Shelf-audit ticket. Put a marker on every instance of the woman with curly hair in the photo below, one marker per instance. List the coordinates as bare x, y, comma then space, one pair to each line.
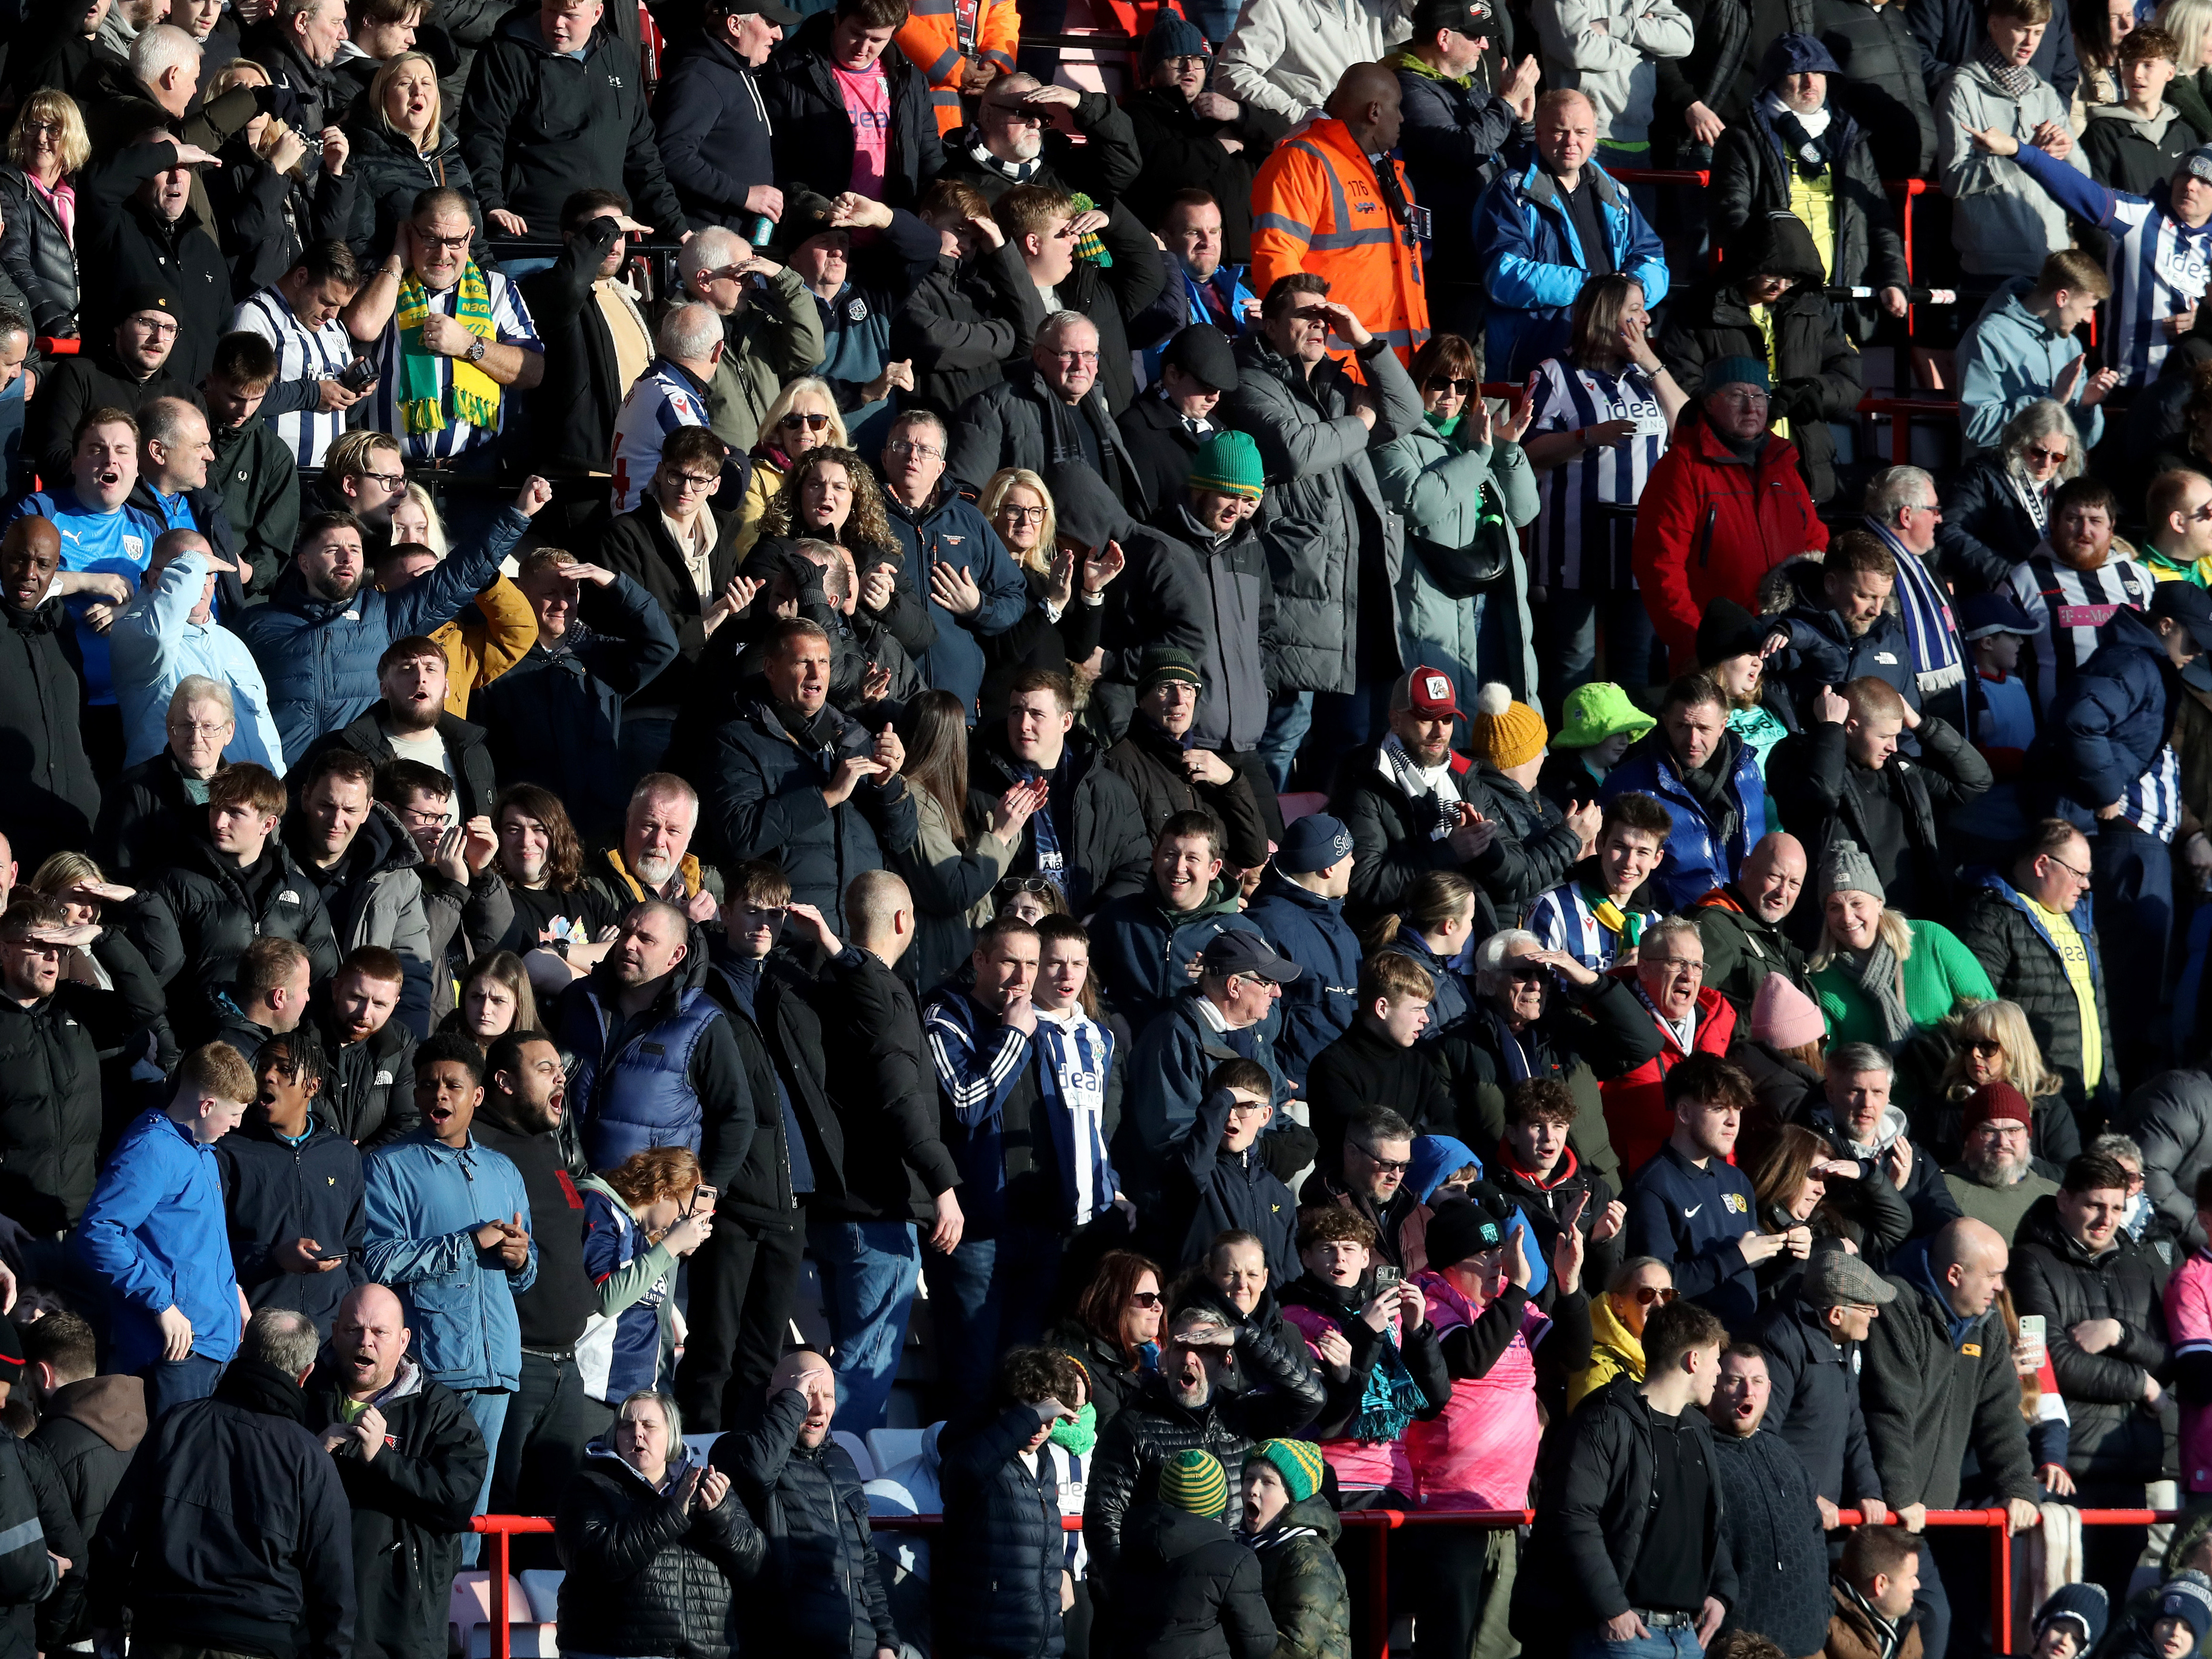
830, 495
641, 1219
1992, 1042
804, 417
556, 910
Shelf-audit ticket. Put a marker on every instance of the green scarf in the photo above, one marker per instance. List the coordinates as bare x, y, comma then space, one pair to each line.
471, 395
1080, 1435
1406, 58
1625, 925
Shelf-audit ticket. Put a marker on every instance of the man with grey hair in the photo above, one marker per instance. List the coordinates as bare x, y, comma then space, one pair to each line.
1901, 508
1051, 408
773, 330
165, 62
230, 1530
1184, 1404
675, 391
1866, 1130
168, 633
653, 858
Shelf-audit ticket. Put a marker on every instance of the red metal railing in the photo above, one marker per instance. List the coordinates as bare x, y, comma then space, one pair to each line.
1380, 1524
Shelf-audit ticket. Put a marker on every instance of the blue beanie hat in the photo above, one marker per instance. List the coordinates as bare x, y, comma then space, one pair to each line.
1796, 54
1314, 842
1736, 371
1173, 36
2082, 1606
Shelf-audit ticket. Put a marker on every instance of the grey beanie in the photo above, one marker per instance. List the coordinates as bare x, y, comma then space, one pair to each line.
1845, 869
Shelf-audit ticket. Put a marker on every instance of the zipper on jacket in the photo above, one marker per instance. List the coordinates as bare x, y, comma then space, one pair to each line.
1705, 543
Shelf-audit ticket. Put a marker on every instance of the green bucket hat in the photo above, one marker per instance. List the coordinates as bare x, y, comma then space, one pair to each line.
1228, 464
1598, 711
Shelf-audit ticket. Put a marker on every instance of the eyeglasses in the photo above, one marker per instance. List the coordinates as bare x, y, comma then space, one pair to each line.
198, 728
1933, 509
1012, 885
811, 423
1246, 1108
394, 482
2081, 875
1071, 357
36, 128
421, 817
901, 449
449, 242
1387, 1165
1143, 1299
1688, 965
1022, 514
1648, 1294
2048, 457
1310, 315
1445, 383
692, 483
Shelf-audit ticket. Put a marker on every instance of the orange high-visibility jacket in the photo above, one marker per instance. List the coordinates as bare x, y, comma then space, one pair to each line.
931, 40
1317, 207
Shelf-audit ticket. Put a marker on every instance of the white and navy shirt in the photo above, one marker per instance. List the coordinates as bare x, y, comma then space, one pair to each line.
511, 325
1562, 918
1580, 547
2153, 802
2158, 267
2068, 606
302, 353
664, 398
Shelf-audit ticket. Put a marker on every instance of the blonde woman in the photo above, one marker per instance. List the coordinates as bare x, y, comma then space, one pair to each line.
804, 417
1992, 1042
496, 999
401, 148
1058, 631
81, 888
46, 147
265, 210
2189, 23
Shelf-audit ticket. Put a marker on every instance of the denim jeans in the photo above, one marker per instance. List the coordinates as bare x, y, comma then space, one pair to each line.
490, 1411
1676, 1641
172, 1382
869, 1269
989, 1295
1288, 718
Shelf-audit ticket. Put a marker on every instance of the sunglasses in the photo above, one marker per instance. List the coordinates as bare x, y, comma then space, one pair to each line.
1648, 1294
1445, 383
1014, 884
793, 421
1527, 973
1147, 1299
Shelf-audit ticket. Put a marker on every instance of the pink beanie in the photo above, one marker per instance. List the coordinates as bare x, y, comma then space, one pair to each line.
1784, 1016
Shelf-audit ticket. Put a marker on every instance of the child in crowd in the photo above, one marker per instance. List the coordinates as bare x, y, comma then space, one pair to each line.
1290, 1526
1599, 723
1219, 1180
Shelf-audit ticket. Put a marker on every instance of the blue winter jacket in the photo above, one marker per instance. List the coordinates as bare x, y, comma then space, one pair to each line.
1697, 858
1534, 264
2107, 724
1169, 1066
1141, 950
156, 1234
632, 1088
318, 656
950, 531
425, 1202
1317, 1006
2009, 358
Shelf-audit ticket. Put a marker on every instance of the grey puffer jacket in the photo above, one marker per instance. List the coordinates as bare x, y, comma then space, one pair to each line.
1323, 503
1241, 635
649, 1572
2170, 1117
2003, 222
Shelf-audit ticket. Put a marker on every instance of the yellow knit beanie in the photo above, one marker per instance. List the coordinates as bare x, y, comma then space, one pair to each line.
1505, 732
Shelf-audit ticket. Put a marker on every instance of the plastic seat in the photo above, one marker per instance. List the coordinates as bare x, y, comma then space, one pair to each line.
1302, 804
891, 1447
853, 1444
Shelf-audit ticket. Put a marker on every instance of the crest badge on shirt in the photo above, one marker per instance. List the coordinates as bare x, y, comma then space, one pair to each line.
1734, 1204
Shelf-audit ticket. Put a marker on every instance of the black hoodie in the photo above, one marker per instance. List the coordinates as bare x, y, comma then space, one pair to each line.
1185, 1588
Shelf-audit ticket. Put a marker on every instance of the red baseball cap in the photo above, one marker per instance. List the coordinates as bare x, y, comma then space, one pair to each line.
1427, 692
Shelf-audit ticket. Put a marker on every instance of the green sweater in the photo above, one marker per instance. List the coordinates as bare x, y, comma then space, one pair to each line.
1937, 975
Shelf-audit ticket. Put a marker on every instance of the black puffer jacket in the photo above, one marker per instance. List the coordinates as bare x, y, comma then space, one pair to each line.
813, 136
961, 322
1153, 1427
51, 797
2114, 1436
651, 1572
1182, 150
370, 1096
2022, 961
389, 173
822, 1592
38, 255
996, 1572
1770, 1532
89, 1430
1817, 376
196, 919
1985, 530
1185, 1588
50, 1085
1882, 87
144, 816
410, 1505
1150, 762
2170, 1117
1304, 1582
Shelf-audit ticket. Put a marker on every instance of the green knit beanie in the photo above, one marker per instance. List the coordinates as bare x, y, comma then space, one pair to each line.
1228, 464
1194, 1481
1299, 1462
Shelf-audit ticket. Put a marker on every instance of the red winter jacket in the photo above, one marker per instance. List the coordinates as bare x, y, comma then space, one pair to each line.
1710, 525
1636, 1116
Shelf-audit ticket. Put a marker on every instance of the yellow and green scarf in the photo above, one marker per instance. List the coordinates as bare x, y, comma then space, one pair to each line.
471, 395
1627, 925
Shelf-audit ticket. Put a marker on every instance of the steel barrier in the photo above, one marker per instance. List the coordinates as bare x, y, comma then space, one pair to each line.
1382, 1524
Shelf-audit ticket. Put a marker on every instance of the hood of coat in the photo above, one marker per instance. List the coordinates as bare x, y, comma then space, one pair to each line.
1775, 245
1608, 1332
603, 1457
112, 1407
46, 618
1893, 1127
1801, 578
2151, 128
1170, 1533
381, 844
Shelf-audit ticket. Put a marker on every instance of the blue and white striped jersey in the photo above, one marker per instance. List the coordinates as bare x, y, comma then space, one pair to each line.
1562, 918
2153, 802
664, 398
1579, 547
302, 353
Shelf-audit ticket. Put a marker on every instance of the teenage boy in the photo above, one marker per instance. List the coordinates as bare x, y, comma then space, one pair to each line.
2137, 142
155, 1235
1217, 1175
2025, 345
1538, 1171
1381, 1057
1595, 916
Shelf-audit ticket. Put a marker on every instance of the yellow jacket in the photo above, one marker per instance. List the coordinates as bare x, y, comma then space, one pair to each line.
480, 649
1613, 1353
931, 40
1317, 207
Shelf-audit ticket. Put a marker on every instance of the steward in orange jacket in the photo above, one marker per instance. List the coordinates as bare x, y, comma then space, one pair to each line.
1319, 205
950, 41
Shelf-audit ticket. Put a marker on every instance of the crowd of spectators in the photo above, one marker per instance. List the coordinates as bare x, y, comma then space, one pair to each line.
1218, 772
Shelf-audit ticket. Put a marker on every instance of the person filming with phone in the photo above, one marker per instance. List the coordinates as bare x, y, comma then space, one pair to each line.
640, 1218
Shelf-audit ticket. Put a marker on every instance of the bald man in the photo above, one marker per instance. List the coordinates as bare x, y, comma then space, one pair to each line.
412, 1462
821, 1594
52, 796
1938, 1381
1740, 922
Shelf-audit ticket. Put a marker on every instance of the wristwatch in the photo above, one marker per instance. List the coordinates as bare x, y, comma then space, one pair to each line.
476, 353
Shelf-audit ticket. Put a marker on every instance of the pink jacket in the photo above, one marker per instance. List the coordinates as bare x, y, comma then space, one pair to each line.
2188, 1327
1479, 1453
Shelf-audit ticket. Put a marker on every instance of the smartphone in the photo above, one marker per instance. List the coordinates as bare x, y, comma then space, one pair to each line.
2031, 1329
702, 1201
1386, 1281
357, 373
330, 1255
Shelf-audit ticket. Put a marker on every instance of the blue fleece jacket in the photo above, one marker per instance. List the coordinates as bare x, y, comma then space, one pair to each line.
155, 1234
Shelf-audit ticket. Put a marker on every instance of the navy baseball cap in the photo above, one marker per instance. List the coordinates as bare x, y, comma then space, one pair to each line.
1241, 951
2186, 602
